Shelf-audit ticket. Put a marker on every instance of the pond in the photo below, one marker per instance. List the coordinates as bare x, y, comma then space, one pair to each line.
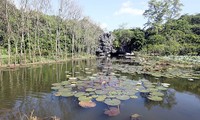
29, 89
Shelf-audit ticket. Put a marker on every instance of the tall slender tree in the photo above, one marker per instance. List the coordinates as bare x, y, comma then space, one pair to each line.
160, 11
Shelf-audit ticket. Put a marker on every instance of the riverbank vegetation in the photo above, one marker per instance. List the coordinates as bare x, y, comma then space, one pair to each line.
31, 32
165, 32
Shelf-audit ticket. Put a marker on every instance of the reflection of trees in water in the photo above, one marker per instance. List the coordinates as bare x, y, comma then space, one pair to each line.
179, 84
44, 108
17, 84
76, 68
168, 102
26, 88
104, 64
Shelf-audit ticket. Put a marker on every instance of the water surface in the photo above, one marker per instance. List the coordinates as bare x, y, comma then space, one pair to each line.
26, 89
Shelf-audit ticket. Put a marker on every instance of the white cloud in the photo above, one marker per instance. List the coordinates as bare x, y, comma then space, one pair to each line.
104, 26
127, 8
17, 3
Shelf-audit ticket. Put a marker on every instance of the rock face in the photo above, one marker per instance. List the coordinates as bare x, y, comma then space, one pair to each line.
1, 40
105, 47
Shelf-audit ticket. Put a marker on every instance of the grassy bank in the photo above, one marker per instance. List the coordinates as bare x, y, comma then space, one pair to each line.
45, 60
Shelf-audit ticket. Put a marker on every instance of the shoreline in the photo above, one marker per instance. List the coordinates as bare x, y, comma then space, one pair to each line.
13, 66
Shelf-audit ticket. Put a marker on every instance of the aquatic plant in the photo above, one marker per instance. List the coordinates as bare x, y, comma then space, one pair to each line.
107, 87
112, 102
87, 104
135, 117
112, 111
158, 68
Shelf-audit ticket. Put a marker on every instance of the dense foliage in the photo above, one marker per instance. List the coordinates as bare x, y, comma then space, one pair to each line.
164, 34
129, 39
30, 34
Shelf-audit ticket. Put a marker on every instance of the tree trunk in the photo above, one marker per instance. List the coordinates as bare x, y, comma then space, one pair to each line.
38, 42
8, 31
72, 45
0, 56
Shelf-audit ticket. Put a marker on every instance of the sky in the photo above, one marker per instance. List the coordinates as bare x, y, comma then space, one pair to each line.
111, 14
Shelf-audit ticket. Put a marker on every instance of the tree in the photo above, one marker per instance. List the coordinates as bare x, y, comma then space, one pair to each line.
8, 30
160, 11
28, 32
131, 39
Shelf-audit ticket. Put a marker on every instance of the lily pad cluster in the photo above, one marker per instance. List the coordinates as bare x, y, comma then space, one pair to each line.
109, 89
153, 91
158, 68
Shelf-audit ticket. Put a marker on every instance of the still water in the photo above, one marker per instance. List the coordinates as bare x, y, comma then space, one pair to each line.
28, 89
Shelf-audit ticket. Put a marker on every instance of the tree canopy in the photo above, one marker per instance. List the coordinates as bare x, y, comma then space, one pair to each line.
29, 34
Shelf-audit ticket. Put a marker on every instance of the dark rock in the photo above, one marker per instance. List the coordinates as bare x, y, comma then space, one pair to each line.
105, 47
1, 40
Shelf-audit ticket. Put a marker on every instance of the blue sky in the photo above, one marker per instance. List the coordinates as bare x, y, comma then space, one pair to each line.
110, 14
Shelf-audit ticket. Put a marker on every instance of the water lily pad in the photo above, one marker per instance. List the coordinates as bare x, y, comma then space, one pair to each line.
133, 96
72, 78
56, 84
123, 97
135, 117
144, 91
112, 73
111, 96
90, 89
149, 86
67, 76
84, 98
101, 98
94, 96
66, 94
57, 94
65, 82
67, 72
73, 85
100, 92
112, 102
118, 75
87, 104
77, 72
129, 92
78, 94
112, 111
95, 75
190, 79
113, 93
92, 78
165, 84
155, 98
86, 68
65, 89
92, 93
85, 79
56, 87
152, 89
157, 94
88, 72
161, 88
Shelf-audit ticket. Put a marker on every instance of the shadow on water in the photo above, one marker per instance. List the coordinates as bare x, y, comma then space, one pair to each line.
26, 89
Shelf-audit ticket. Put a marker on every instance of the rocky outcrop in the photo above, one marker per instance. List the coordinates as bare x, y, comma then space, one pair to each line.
105, 47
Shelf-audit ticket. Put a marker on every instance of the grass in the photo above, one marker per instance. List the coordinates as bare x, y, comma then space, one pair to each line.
32, 117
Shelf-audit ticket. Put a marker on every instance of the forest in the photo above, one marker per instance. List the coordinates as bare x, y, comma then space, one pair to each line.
176, 37
29, 33
165, 33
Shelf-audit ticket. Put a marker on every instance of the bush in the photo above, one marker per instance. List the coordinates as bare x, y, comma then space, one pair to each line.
156, 39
